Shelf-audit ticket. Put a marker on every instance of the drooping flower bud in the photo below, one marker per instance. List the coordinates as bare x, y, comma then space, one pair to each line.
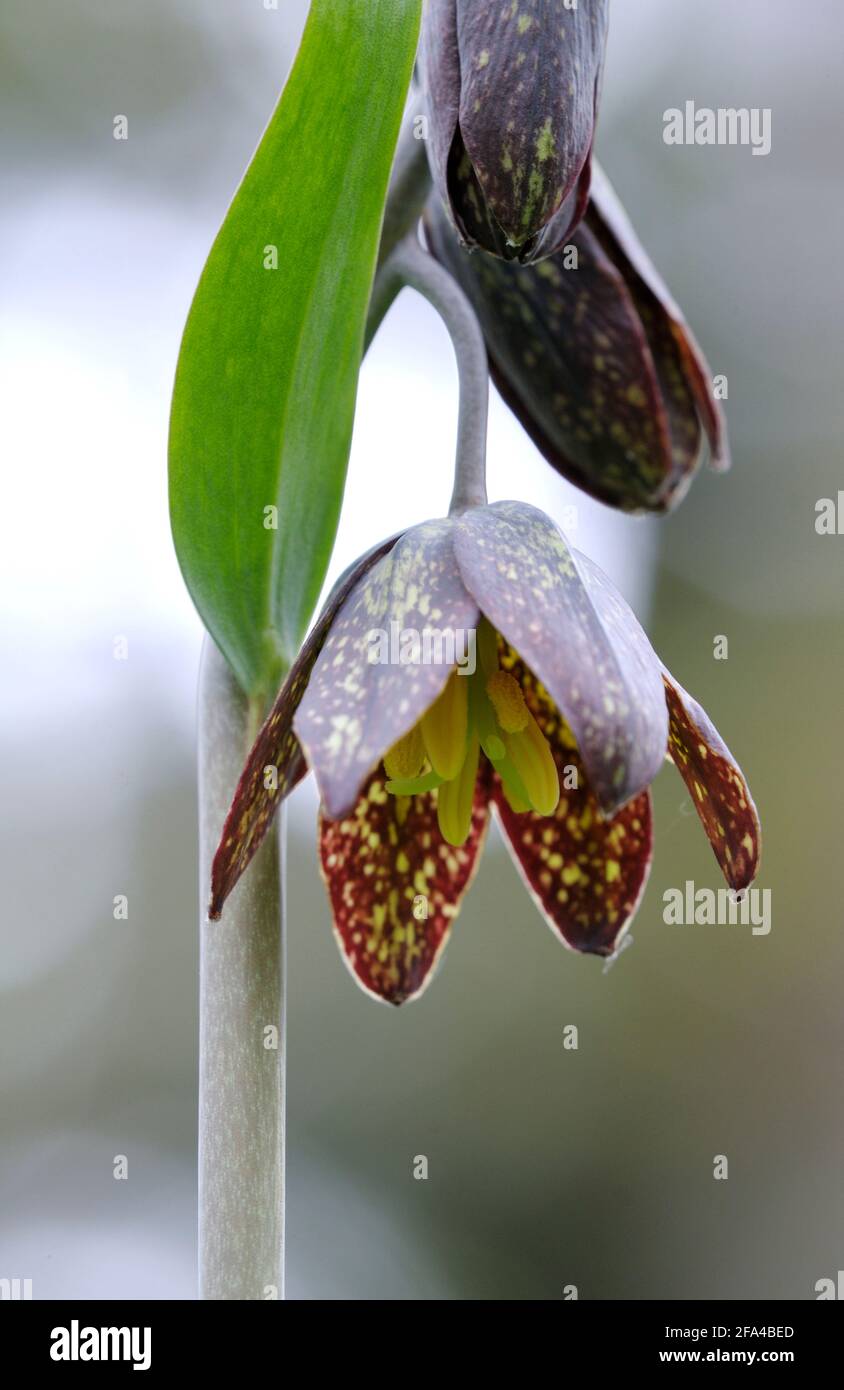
595, 358
512, 90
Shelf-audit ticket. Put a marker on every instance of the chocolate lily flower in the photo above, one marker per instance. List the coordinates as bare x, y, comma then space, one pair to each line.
559, 724
595, 359
512, 93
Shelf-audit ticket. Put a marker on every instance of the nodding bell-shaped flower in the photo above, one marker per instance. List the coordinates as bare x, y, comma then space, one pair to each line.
479, 663
512, 92
595, 359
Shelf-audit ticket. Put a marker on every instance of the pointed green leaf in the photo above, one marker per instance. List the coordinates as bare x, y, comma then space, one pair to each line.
264, 397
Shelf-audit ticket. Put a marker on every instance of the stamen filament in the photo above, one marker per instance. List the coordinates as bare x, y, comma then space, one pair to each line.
455, 799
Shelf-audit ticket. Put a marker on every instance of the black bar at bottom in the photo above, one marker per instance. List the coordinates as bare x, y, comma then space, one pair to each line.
166, 1337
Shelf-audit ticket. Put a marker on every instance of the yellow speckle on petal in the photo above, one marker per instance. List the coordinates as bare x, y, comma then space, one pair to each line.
545, 141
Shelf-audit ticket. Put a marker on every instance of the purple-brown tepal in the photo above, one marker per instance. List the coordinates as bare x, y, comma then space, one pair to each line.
512, 92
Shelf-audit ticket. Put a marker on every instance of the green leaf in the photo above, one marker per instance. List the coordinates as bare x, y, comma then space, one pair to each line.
264, 397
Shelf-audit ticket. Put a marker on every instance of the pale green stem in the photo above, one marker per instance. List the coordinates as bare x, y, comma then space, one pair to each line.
402, 261
242, 1062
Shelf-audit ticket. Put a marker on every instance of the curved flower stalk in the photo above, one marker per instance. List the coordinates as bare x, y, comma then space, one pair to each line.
560, 727
512, 93
595, 358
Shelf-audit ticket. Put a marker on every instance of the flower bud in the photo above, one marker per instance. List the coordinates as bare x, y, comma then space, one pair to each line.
595, 359
512, 91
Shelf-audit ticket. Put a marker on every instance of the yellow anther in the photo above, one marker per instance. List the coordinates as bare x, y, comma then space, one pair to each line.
444, 727
534, 762
508, 702
450, 736
405, 758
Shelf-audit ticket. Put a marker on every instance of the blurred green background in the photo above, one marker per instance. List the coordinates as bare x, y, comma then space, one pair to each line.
547, 1167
